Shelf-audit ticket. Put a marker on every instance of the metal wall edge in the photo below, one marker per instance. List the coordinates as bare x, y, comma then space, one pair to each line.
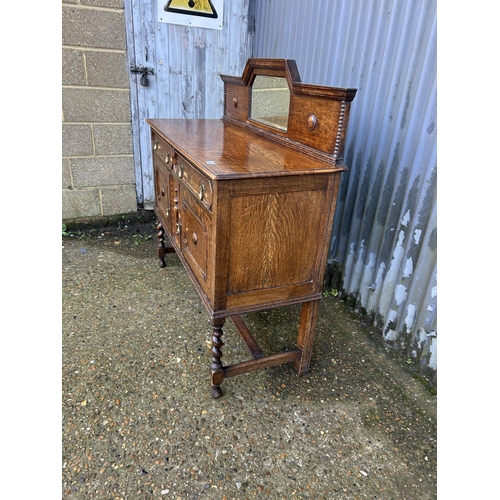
385, 234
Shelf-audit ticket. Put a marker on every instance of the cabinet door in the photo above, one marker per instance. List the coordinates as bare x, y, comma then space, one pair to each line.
162, 193
195, 237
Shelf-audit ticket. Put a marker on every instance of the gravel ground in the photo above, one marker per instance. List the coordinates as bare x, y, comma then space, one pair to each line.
139, 421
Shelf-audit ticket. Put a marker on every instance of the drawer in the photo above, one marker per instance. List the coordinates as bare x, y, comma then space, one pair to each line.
199, 185
163, 150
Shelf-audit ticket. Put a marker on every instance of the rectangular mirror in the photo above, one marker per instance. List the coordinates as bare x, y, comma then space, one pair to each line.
270, 101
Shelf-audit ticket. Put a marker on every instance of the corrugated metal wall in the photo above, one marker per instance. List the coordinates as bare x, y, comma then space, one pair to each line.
384, 234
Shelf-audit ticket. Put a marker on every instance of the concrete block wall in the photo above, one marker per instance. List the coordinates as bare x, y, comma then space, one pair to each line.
98, 178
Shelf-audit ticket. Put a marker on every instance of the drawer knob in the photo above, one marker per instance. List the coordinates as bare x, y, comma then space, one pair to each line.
195, 238
167, 158
178, 230
155, 145
167, 212
180, 171
163, 191
201, 192
235, 102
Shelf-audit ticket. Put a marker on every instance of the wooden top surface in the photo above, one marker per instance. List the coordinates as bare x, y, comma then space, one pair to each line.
223, 150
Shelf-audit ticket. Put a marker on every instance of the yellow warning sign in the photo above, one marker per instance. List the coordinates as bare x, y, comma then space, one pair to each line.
203, 8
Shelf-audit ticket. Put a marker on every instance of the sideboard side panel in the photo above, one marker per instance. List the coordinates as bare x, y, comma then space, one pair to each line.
274, 234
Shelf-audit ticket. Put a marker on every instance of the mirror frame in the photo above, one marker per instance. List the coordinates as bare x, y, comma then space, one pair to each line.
317, 117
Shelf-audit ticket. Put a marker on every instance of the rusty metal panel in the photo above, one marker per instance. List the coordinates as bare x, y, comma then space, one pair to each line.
385, 233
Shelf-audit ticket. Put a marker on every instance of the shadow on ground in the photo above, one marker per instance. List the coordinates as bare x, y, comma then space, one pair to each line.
139, 422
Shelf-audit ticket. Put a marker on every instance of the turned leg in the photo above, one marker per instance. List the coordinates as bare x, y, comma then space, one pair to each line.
162, 251
217, 373
308, 319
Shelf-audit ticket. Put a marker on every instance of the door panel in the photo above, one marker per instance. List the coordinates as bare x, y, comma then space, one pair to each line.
162, 192
186, 62
196, 234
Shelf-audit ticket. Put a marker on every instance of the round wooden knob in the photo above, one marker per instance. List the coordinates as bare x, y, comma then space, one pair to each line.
195, 238
311, 121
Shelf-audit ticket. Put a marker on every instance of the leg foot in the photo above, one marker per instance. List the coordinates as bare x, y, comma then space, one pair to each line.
216, 391
308, 319
162, 251
217, 373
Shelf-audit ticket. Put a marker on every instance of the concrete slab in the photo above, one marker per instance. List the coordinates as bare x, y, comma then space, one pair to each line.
139, 421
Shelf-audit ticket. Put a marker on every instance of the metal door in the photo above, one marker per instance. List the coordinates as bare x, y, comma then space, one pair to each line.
175, 72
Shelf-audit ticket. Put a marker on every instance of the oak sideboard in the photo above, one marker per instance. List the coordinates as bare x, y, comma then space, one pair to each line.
247, 202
